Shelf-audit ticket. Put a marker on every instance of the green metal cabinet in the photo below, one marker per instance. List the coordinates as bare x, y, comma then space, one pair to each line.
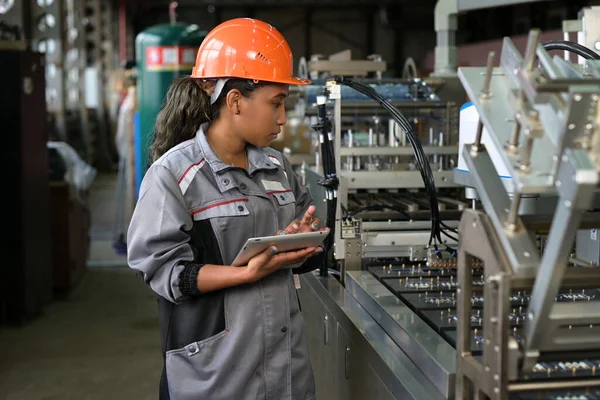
163, 52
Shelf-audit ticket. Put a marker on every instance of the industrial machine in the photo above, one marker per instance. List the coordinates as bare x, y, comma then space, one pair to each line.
383, 204
379, 193
550, 147
514, 314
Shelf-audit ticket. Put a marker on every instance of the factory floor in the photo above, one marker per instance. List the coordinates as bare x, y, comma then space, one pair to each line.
100, 342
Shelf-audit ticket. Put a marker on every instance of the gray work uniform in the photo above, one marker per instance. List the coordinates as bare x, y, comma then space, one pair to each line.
245, 342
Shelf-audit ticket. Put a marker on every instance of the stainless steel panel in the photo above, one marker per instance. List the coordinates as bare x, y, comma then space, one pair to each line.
345, 351
395, 179
395, 151
375, 239
466, 5
430, 353
402, 225
357, 380
395, 251
320, 325
374, 350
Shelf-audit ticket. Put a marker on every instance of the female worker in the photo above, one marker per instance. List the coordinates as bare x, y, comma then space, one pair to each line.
227, 332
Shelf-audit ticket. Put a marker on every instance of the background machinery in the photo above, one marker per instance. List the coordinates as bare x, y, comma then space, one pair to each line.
507, 305
381, 190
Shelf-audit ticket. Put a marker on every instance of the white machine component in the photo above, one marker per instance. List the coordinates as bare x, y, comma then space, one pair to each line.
586, 30
469, 119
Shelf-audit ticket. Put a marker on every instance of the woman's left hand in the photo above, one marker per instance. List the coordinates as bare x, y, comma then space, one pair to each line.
308, 223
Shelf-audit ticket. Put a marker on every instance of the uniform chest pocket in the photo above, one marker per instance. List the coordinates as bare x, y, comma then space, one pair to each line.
226, 215
285, 201
284, 197
221, 209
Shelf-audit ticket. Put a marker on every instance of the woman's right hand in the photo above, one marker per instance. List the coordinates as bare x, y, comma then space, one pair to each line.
270, 261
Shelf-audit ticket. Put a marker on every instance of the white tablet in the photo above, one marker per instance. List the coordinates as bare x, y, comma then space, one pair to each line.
296, 241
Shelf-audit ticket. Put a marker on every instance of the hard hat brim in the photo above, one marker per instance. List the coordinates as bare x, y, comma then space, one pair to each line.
290, 81
295, 81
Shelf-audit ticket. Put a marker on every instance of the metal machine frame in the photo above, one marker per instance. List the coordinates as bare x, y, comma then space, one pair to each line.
360, 240
545, 119
551, 147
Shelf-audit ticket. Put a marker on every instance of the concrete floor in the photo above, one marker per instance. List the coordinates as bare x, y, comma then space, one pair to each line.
102, 231
101, 342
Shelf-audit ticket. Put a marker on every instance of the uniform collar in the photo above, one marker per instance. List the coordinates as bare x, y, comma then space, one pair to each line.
257, 158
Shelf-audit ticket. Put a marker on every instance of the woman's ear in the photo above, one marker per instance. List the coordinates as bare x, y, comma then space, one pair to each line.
233, 100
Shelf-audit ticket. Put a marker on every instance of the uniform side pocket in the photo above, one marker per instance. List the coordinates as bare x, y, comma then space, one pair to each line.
193, 371
196, 370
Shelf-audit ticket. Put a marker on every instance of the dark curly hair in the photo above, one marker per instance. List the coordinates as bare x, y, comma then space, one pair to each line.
186, 107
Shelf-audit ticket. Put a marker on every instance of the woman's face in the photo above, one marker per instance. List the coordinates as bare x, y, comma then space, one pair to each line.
262, 114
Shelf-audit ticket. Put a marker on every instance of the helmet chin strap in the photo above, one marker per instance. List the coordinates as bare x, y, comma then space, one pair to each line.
218, 89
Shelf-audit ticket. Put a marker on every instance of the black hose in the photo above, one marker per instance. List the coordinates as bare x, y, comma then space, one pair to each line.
572, 47
329, 182
437, 226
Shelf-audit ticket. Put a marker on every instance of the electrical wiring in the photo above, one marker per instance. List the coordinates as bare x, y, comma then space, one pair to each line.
444, 232
572, 47
448, 227
344, 209
330, 181
437, 226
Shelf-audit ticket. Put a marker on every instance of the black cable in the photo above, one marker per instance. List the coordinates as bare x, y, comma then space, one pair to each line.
344, 209
450, 236
330, 181
420, 157
419, 154
572, 47
448, 228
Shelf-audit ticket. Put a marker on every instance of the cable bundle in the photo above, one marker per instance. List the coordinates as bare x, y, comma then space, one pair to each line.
330, 180
572, 47
438, 227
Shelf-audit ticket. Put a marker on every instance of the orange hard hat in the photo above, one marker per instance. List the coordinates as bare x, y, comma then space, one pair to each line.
246, 48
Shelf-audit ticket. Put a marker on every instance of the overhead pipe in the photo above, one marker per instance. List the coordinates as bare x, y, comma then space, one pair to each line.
446, 24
